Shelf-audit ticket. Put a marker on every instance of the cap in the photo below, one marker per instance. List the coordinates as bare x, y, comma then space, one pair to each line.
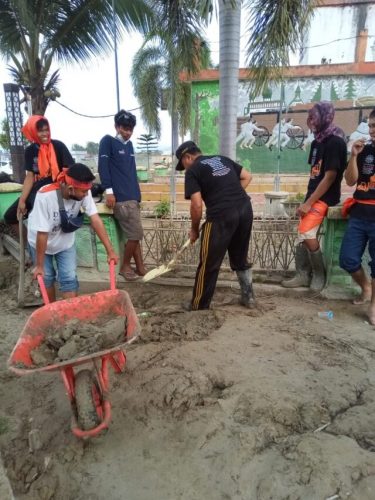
185, 147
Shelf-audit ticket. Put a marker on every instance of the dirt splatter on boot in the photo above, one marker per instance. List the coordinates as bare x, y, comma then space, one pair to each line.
318, 271
247, 293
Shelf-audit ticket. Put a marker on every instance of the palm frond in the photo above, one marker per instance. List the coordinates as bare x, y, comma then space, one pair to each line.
275, 28
86, 27
183, 105
147, 89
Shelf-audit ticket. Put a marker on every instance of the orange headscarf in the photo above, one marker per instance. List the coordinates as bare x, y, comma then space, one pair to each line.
47, 162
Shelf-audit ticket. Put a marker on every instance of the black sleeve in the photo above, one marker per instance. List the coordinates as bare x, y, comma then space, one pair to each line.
64, 158
30, 153
237, 168
191, 184
333, 154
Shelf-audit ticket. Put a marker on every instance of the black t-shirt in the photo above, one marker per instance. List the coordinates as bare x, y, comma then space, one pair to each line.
217, 178
365, 189
63, 157
330, 154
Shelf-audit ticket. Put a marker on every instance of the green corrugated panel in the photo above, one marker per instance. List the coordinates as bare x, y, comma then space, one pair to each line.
6, 200
337, 278
117, 239
85, 246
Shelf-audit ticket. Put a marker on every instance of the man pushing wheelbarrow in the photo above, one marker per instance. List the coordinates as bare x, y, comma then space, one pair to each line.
56, 215
58, 212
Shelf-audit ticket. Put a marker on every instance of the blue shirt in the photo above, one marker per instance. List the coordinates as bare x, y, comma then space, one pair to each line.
117, 169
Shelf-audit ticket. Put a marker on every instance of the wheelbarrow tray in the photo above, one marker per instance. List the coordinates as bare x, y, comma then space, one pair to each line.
86, 308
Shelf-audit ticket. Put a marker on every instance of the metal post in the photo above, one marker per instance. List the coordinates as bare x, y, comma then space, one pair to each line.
174, 141
276, 183
14, 117
115, 50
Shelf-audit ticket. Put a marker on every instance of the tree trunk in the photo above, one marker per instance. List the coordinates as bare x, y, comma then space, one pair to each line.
39, 102
174, 117
230, 28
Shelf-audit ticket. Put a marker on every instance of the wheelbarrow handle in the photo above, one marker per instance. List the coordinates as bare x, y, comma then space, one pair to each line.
112, 280
43, 289
112, 275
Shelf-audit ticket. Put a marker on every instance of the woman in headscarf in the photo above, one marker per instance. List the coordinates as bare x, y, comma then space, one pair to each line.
327, 159
44, 159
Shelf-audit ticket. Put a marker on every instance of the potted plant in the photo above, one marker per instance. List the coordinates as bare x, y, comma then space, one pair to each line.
292, 203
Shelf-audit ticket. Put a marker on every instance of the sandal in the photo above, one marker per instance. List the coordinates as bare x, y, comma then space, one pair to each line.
361, 300
139, 274
129, 275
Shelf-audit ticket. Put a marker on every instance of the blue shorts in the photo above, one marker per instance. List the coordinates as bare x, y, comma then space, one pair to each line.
358, 233
66, 264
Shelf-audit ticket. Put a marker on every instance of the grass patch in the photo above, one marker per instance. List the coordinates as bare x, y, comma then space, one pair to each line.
4, 425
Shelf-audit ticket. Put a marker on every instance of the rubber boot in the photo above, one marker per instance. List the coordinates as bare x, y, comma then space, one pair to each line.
303, 269
318, 271
247, 293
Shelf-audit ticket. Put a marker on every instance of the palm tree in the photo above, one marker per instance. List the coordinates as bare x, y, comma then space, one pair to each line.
229, 29
274, 28
147, 143
172, 45
36, 33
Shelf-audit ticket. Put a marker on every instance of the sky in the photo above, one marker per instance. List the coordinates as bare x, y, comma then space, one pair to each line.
91, 90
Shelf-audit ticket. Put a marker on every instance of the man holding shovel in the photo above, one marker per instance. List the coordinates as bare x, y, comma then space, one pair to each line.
220, 183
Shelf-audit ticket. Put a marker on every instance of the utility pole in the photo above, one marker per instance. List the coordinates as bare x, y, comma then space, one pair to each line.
114, 27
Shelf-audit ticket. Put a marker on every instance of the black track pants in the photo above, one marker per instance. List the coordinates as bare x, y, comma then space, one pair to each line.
231, 233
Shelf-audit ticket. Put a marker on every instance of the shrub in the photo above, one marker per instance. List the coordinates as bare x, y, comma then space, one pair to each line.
162, 209
299, 197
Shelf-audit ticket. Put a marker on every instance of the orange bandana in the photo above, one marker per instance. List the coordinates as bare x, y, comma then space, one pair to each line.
47, 162
63, 178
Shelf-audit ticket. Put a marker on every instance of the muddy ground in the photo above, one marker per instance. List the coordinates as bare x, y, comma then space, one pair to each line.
273, 403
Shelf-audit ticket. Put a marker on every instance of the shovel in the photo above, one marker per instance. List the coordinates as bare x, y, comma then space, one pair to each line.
165, 268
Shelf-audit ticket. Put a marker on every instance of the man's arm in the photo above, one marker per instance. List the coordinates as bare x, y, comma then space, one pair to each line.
41, 246
351, 173
245, 178
98, 227
26, 189
105, 172
324, 185
196, 205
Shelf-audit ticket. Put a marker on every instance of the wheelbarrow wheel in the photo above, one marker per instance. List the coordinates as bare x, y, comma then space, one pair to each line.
88, 400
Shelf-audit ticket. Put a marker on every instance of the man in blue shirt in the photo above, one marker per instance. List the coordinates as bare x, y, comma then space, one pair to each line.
118, 176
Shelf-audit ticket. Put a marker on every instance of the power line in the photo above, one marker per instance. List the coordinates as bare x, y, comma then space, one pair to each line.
91, 116
319, 45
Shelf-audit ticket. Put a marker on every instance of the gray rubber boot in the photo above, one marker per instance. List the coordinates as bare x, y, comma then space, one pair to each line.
318, 271
303, 269
247, 293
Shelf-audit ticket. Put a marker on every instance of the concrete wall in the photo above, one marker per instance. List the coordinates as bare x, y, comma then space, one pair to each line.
339, 22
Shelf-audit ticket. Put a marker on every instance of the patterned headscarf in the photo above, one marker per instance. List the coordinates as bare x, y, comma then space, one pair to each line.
320, 120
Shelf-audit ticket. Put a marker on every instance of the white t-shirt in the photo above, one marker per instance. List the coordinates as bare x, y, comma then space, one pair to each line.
45, 217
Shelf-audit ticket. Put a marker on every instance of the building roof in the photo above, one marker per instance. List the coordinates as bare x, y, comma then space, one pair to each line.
343, 3
317, 70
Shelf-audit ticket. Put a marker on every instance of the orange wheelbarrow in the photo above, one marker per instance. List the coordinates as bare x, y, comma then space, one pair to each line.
87, 389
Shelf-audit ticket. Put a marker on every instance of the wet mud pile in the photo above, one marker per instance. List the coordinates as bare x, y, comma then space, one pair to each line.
179, 326
76, 339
